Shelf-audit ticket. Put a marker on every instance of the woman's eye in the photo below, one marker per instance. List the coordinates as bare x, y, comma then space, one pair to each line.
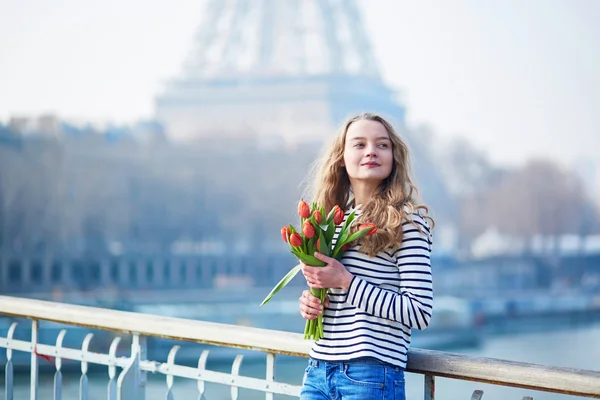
383, 145
358, 145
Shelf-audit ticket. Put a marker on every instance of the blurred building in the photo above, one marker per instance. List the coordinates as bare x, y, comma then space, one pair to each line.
47, 125
589, 172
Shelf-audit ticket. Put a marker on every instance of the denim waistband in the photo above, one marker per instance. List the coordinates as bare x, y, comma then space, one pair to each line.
359, 360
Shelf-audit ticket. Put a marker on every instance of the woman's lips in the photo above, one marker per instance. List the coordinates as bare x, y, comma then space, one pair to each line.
370, 165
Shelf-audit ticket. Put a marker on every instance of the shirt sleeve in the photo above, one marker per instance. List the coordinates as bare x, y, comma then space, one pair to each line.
413, 304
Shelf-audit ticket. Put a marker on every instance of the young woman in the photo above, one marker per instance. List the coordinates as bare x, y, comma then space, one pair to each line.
382, 286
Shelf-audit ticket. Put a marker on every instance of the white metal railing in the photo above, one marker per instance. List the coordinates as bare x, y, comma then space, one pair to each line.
130, 382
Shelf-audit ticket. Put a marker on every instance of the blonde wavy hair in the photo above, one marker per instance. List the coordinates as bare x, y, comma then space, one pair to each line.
328, 185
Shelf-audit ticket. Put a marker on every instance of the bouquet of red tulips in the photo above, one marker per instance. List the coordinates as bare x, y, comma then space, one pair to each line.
317, 235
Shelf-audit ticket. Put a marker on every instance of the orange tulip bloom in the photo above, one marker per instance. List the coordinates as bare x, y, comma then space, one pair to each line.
295, 240
338, 215
303, 209
318, 216
308, 230
285, 233
368, 225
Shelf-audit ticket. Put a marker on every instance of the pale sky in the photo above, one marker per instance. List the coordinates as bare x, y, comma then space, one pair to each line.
518, 78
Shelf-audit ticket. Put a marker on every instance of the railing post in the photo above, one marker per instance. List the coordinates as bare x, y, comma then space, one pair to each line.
270, 376
142, 375
131, 384
477, 395
33, 384
429, 387
8, 373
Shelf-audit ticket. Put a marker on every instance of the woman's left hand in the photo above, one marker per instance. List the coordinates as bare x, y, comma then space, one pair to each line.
333, 275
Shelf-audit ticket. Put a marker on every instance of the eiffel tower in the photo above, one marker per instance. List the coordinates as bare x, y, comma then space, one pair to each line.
286, 69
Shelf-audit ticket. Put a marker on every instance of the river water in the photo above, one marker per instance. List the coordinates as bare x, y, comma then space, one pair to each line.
575, 348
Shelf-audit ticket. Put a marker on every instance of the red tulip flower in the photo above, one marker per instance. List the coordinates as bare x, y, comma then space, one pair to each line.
285, 233
303, 209
368, 225
308, 230
318, 216
338, 215
295, 240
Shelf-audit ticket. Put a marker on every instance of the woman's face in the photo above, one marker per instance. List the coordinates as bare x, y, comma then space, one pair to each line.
368, 155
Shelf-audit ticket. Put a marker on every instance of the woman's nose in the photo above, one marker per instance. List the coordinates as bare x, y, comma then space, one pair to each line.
371, 151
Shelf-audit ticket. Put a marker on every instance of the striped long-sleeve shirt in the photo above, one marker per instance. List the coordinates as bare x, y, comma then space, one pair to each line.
390, 294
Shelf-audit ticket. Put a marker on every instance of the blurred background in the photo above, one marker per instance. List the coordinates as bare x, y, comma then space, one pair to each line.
150, 153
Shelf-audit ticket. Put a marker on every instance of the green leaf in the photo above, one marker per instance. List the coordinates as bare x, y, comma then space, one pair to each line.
357, 235
308, 260
311, 246
344, 236
324, 247
349, 221
330, 215
281, 284
330, 232
341, 240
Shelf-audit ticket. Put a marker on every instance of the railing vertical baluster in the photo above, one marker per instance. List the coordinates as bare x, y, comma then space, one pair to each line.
170, 363
58, 364
58, 385
235, 371
84, 390
131, 384
33, 384
270, 377
8, 373
202, 367
429, 387
112, 369
8, 379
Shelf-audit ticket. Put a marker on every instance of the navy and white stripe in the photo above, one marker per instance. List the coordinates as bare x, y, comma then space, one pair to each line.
390, 294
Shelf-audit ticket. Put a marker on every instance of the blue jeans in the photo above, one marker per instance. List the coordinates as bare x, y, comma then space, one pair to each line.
354, 380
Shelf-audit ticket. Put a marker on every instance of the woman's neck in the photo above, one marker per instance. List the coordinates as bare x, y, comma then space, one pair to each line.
363, 192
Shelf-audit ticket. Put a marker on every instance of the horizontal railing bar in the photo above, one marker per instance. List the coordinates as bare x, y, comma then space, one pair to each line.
221, 377
486, 370
64, 353
506, 373
157, 326
19, 345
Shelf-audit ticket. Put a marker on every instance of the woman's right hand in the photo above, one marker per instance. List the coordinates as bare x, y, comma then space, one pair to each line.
310, 306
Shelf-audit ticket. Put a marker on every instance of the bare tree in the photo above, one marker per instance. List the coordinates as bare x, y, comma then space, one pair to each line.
538, 199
